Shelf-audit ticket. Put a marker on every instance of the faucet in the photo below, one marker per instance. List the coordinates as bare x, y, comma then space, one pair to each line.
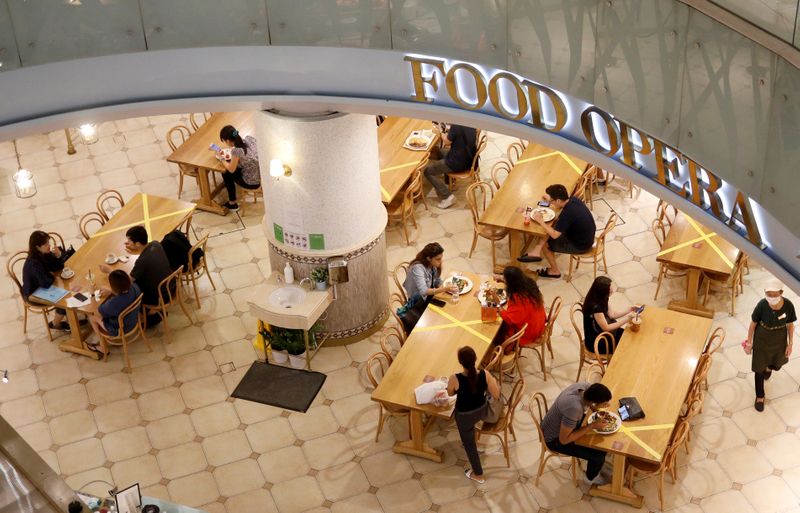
310, 283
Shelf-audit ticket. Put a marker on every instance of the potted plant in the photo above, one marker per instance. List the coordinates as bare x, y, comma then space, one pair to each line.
297, 348
278, 344
319, 275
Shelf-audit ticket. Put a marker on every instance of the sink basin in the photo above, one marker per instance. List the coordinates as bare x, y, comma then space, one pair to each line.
287, 297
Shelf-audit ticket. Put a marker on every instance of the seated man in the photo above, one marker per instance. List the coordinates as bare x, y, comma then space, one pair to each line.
573, 231
461, 141
561, 425
123, 292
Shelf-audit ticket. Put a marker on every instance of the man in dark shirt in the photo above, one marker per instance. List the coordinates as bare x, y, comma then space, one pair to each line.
462, 147
572, 233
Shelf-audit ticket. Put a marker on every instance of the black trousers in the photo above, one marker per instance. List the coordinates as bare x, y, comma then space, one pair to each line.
233, 179
465, 421
594, 457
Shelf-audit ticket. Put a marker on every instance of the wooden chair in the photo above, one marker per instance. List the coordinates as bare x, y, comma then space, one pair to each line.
186, 225
668, 463
479, 195
472, 174
492, 363
662, 212
392, 339
402, 208
584, 189
691, 410
665, 270
399, 276
196, 270
543, 342
538, 408
56, 239
500, 170
380, 361
418, 195
586, 356
18, 259
734, 282
514, 151
395, 302
595, 372
176, 136
509, 363
626, 184
198, 118
167, 298
523, 142
601, 358
505, 424
87, 220
124, 338
106, 200
243, 194
597, 252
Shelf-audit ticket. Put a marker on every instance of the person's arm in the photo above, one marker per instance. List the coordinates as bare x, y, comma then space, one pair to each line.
491, 384
600, 319
551, 232
790, 332
418, 274
568, 434
452, 385
617, 315
750, 331
513, 314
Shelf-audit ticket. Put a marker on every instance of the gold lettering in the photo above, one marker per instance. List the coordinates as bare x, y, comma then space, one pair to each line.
628, 145
537, 114
494, 96
420, 80
667, 169
591, 137
453, 89
714, 199
741, 211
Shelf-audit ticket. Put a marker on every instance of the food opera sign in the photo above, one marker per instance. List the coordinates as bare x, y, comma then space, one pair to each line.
518, 99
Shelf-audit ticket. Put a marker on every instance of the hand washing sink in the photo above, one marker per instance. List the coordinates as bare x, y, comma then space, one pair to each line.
287, 297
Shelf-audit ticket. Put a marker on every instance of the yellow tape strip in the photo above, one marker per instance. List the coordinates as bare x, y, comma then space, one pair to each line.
445, 326
650, 428
385, 193
538, 157
399, 166
705, 237
713, 246
571, 163
137, 223
459, 323
641, 443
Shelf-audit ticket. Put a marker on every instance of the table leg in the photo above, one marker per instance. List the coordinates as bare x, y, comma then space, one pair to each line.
417, 446
691, 304
616, 490
76, 343
515, 243
206, 201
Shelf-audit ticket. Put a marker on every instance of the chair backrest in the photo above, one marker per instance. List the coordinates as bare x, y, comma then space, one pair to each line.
555, 309
608, 340
109, 202
662, 213
17, 259
186, 225
679, 437
399, 276
583, 189
169, 289
523, 142
595, 372
537, 405
700, 374
493, 366
377, 365
600, 244
715, 341
695, 404
87, 220
201, 244
738, 269
513, 340
475, 168
391, 341
395, 302
413, 190
177, 135
659, 232
479, 195
133, 307
500, 170
195, 119
577, 311
513, 401
514, 151
56, 239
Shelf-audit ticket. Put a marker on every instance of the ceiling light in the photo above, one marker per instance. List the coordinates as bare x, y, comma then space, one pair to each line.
88, 133
24, 186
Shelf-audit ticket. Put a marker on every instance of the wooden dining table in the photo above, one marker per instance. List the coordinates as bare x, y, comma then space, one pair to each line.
195, 153
158, 215
431, 350
396, 162
692, 246
655, 365
537, 168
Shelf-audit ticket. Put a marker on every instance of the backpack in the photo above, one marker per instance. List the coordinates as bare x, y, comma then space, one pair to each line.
177, 246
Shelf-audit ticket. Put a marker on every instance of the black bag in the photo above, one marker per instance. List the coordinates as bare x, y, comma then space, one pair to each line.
411, 312
177, 246
634, 408
66, 253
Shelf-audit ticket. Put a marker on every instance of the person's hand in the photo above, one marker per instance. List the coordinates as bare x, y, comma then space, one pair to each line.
104, 292
75, 288
634, 308
106, 269
537, 218
56, 251
498, 278
789, 350
600, 423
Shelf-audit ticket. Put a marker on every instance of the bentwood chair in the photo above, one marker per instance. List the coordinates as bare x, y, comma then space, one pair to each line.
186, 225
402, 208
692, 408
18, 260
500, 170
377, 365
473, 174
537, 405
392, 339
523, 142
586, 356
584, 189
169, 293
509, 364
715, 341
176, 136
543, 343
87, 220
399, 276
665, 270
608, 341
198, 118
505, 424
125, 338
418, 195
734, 282
514, 152
109, 203
395, 302
195, 270
479, 195
662, 212
245, 193
56, 240
597, 252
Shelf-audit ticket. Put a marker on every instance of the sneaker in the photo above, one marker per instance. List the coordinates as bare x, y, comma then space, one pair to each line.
473, 477
232, 206
62, 326
599, 480
447, 202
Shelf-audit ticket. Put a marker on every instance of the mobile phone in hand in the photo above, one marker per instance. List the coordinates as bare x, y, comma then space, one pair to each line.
640, 309
438, 302
215, 147
80, 297
543, 203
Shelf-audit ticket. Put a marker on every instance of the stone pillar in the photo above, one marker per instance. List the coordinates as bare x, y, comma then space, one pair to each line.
331, 204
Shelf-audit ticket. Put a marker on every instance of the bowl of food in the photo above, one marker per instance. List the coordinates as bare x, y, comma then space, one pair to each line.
463, 283
547, 213
612, 421
417, 141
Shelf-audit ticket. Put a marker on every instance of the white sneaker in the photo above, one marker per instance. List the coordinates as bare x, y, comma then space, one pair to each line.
447, 202
599, 480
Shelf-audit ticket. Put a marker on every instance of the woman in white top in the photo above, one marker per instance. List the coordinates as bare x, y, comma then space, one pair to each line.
242, 169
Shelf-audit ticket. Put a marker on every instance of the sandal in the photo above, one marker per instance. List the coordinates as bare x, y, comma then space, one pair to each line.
544, 274
473, 477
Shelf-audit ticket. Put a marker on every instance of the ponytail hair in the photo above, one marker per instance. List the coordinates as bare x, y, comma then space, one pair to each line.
467, 359
228, 133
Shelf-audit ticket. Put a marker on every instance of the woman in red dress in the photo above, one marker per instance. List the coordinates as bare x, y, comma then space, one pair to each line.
525, 305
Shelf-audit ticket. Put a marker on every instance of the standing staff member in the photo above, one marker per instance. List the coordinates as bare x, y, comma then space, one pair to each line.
769, 337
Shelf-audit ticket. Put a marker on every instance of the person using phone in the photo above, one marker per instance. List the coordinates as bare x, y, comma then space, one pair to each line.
422, 282
43, 261
597, 317
105, 321
242, 169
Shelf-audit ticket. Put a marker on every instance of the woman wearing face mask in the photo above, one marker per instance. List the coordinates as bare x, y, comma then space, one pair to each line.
770, 336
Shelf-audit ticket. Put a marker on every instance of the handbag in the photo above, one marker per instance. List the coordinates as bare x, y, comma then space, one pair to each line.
66, 253
494, 409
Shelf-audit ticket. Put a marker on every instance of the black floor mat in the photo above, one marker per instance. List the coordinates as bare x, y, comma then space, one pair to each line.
290, 389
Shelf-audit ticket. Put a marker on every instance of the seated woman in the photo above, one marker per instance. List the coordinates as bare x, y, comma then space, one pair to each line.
525, 305
597, 318
44, 259
242, 168
422, 282
105, 322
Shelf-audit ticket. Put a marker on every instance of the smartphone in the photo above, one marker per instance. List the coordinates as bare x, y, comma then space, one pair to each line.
623, 413
640, 309
80, 297
543, 203
215, 147
438, 302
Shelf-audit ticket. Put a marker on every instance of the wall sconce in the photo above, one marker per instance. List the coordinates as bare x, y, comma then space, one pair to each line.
88, 133
278, 169
24, 186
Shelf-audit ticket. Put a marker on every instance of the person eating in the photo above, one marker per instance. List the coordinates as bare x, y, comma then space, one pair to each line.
459, 146
525, 306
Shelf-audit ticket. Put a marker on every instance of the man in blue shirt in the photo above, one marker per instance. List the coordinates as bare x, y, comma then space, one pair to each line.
462, 144
572, 233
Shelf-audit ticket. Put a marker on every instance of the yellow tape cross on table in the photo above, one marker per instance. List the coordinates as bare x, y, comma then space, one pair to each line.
704, 237
146, 219
462, 324
552, 153
630, 432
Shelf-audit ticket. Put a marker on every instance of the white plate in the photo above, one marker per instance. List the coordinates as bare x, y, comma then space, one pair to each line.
503, 298
123, 258
548, 214
422, 135
67, 275
449, 282
617, 420
111, 261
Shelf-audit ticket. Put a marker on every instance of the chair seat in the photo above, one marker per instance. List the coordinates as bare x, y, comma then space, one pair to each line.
642, 465
395, 208
490, 232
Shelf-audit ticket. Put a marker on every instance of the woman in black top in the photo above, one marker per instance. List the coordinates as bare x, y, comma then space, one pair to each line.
44, 259
597, 318
471, 387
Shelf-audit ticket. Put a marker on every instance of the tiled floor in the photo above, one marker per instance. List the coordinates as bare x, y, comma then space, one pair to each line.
172, 427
